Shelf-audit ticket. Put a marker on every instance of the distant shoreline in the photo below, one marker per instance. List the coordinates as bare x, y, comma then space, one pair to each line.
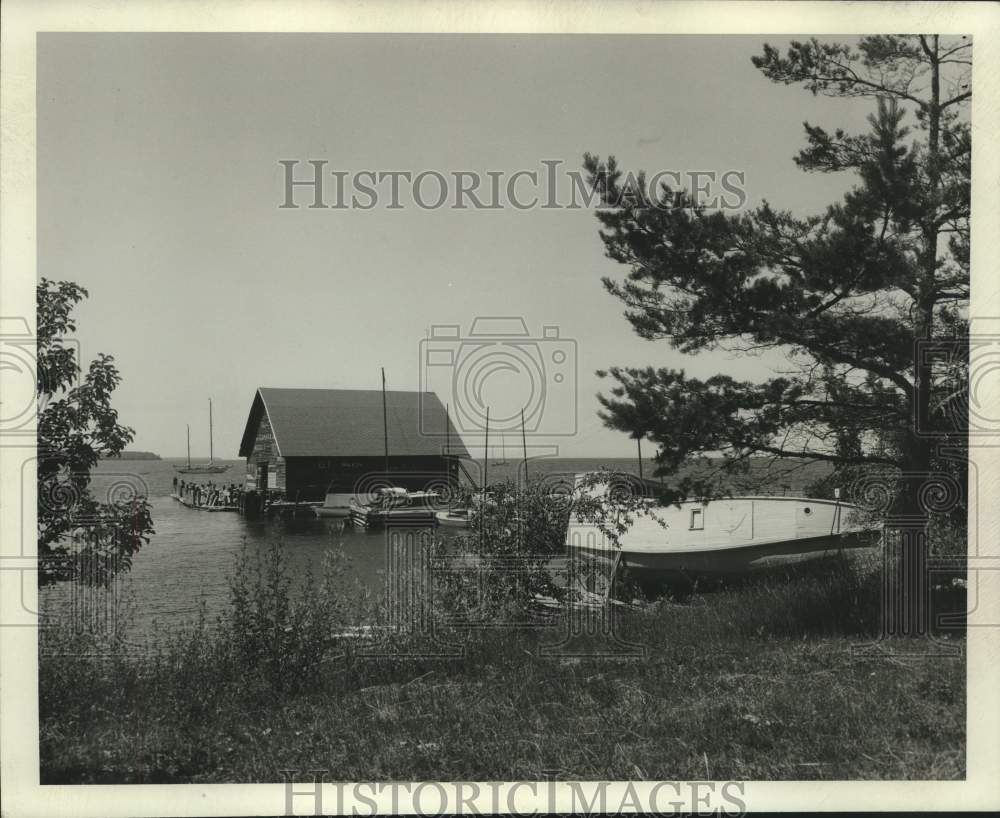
135, 456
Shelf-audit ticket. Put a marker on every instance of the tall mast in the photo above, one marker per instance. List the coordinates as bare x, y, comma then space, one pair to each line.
385, 424
524, 447
189, 445
447, 450
486, 451
211, 453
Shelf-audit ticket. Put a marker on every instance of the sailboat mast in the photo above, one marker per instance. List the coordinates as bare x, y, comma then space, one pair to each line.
385, 424
211, 453
447, 451
189, 445
486, 451
524, 447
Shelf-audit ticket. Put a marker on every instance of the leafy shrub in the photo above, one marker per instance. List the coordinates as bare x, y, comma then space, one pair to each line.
281, 636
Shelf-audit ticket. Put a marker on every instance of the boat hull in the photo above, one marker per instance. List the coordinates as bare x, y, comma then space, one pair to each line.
338, 505
727, 563
446, 519
378, 519
397, 507
727, 538
336, 512
201, 469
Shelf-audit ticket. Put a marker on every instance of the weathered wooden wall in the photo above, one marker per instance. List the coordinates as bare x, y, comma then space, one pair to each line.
266, 451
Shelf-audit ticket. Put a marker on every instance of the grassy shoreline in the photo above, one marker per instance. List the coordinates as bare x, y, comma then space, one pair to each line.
757, 682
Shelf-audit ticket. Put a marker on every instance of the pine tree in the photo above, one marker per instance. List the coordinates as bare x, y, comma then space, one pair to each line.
846, 295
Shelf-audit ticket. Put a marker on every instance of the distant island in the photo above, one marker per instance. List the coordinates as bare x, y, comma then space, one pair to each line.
132, 455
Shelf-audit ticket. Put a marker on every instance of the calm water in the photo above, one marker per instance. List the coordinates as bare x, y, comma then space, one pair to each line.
192, 553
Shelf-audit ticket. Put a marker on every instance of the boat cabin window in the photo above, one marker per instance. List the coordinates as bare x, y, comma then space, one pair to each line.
697, 519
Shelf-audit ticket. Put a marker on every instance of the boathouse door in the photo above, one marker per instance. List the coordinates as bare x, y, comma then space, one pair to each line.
262, 479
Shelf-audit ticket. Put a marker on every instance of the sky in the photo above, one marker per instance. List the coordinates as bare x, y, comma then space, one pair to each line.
159, 190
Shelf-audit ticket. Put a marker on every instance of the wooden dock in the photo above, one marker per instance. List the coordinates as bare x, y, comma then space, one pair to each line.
188, 504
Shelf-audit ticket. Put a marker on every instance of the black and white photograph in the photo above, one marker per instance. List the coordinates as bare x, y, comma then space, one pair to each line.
480, 414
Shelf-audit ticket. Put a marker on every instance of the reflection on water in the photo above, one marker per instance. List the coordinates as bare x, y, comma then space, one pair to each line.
190, 557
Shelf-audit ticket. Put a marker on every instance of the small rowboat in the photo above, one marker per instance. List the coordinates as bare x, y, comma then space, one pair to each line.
454, 518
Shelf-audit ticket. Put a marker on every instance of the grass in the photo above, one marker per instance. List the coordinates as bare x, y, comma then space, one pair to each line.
754, 682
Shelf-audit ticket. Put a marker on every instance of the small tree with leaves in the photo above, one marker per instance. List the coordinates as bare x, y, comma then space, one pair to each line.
79, 537
846, 295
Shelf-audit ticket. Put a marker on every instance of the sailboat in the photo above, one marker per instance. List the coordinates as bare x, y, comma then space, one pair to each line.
202, 468
503, 453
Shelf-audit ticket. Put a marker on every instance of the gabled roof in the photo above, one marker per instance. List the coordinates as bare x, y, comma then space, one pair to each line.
348, 423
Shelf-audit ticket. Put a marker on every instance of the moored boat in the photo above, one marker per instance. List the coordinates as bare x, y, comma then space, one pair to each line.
461, 517
454, 518
202, 468
338, 504
397, 506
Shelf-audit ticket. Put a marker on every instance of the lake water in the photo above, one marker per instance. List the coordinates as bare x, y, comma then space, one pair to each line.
192, 553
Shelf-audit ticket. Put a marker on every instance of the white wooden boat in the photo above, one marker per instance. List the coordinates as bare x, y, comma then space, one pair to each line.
454, 518
397, 506
462, 517
726, 537
338, 504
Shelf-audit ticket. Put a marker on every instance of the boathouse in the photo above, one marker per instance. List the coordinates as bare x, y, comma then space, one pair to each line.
301, 443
